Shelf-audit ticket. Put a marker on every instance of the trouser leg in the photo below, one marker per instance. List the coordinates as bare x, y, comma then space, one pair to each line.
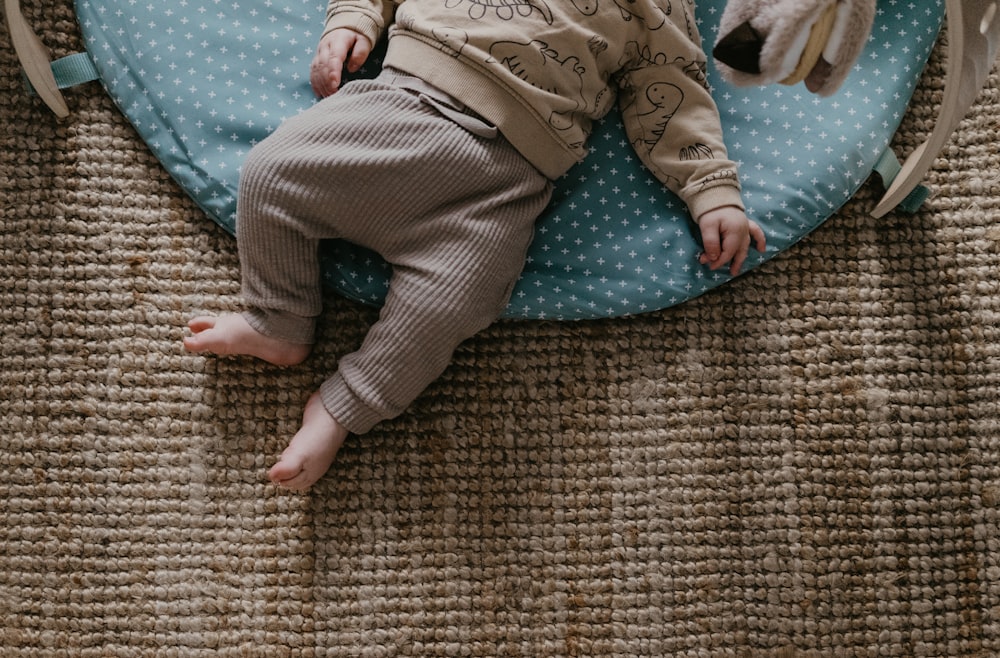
451, 210
325, 174
435, 302
278, 226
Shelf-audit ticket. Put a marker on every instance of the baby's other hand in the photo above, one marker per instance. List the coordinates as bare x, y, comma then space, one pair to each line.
337, 50
726, 234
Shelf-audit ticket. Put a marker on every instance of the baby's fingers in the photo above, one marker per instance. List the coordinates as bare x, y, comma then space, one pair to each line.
734, 251
325, 74
739, 256
342, 48
712, 249
359, 55
756, 237
757, 234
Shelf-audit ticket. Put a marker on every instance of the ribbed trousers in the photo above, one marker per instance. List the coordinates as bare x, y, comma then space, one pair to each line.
452, 209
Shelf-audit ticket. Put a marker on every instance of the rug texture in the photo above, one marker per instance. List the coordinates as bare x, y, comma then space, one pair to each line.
805, 462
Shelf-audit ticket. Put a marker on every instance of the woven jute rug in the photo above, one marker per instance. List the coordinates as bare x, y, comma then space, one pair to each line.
805, 462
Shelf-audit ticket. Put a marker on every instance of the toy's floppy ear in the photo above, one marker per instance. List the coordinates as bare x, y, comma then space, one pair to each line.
740, 49
789, 41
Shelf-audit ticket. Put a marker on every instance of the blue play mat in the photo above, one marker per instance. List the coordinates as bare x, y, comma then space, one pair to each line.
203, 81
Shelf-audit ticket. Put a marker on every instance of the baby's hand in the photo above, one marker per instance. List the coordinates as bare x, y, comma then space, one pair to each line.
337, 49
726, 234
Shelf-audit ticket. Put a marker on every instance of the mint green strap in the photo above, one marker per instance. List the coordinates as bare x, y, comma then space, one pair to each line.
71, 71
888, 167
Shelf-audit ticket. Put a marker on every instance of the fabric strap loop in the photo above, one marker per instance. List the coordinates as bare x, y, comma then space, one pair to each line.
888, 167
70, 71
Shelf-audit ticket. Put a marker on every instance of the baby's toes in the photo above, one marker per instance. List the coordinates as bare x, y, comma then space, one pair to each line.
201, 323
287, 469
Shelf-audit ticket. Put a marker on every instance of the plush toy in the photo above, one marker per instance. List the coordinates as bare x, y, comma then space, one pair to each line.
817, 42
790, 41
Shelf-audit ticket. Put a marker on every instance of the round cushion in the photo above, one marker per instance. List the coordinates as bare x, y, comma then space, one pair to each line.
205, 81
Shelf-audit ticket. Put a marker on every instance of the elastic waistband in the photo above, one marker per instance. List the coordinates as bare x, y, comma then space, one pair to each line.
398, 78
444, 102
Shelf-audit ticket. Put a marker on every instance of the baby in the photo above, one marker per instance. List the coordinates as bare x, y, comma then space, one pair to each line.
442, 164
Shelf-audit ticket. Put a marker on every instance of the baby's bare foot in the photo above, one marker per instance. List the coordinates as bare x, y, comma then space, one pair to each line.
312, 449
231, 334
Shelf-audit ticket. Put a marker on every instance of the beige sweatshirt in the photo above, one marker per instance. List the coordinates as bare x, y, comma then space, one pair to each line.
543, 71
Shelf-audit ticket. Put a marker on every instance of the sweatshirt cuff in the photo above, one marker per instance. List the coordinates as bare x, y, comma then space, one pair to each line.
362, 23
714, 197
